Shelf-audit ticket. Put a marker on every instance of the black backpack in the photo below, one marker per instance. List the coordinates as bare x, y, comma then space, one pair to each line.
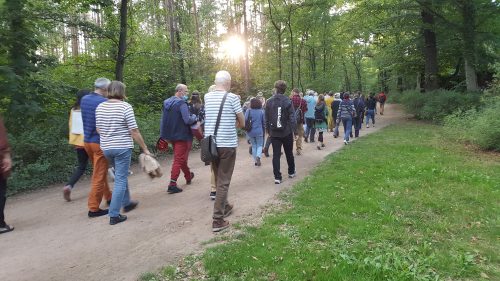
319, 114
278, 114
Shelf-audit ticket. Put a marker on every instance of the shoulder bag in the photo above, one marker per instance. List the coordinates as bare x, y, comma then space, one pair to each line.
208, 146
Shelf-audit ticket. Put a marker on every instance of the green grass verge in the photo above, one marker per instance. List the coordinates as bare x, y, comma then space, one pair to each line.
401, 204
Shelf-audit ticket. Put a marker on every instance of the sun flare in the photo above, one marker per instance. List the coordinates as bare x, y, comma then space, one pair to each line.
233, 47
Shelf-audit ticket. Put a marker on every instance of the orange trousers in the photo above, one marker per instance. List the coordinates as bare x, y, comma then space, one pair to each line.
99, 187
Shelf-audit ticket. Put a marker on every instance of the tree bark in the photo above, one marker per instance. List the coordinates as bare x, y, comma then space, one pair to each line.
280, 32
245, 37
197, 24
469, 39
172, 32
347, 81
292, 54
430, 49
122, 42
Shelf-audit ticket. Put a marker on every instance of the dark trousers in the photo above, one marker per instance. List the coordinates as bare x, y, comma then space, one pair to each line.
3, 198
320, 136
357, 122
287, 143
83, 160
268, 143
310, 130
223, 171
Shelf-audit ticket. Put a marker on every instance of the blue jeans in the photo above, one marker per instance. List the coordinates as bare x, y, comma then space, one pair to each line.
370, 114
310, 130
120, 159
257, 144
347, 122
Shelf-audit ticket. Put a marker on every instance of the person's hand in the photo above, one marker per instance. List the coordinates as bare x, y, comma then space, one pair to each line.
6, 164
146, 151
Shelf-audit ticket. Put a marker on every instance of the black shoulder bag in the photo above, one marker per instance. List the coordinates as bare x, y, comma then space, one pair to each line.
208, 145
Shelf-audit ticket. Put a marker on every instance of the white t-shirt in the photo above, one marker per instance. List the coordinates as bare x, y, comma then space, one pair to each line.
226, 134
114, 121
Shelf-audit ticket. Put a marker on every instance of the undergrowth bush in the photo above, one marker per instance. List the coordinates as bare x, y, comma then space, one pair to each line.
435, 105
480, 127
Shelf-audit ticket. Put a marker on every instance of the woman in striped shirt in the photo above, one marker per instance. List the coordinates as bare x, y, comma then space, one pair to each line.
116, 125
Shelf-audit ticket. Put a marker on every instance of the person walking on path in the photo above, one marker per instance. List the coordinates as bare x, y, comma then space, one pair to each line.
255, 117
345, 114
309, 116
359, 105
371, 105
231, 117
175, 128
335, 109
299, 107
116, 125
99, 187
321, 117
381, 99
76, 139
5, 167
281, 125
328, 101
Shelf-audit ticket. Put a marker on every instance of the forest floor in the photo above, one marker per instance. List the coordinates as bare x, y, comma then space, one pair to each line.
55, 240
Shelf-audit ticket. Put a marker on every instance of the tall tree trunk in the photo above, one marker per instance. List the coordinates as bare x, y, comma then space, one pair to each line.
292, 54
469, 39
197, 25
180, 57
347, 80
75, 44
171, 29
245, 37
122, 42
18, 38
280, 32
430, 49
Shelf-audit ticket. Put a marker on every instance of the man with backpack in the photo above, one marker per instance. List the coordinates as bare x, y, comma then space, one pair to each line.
299, 108
381, 99
281, 126
359, 105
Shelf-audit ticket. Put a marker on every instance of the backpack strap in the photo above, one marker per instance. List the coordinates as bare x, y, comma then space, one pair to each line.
219, 114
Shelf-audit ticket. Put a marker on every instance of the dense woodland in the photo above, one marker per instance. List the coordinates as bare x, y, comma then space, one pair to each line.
51, 48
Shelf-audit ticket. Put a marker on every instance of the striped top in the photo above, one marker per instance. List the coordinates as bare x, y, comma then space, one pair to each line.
226, 134
114, 121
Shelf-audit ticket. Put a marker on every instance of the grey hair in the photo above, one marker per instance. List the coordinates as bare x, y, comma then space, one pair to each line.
211, 88
179, 87
222, 77
102, 83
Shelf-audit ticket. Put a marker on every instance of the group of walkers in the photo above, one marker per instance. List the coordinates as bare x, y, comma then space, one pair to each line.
102, 129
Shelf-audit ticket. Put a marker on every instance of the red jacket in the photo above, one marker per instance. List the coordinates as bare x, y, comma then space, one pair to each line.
298, 101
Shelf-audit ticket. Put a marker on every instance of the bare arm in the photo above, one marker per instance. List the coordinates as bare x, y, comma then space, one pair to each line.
136, 135
240, 120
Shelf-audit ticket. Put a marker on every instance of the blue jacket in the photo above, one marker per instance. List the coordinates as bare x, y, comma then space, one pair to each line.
176, 120
311, 103
88, 106
258, 124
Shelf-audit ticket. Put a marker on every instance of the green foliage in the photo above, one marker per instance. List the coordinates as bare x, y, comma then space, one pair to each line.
480, 127
434, 106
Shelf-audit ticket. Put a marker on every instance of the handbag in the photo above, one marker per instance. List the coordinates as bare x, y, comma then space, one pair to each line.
161, 144
208, 145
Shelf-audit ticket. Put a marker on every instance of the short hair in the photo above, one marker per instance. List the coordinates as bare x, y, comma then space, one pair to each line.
346, 96
102, 83
180, 87
116, 90
211, 88
280, 86
296, 91
255, 103
222, 77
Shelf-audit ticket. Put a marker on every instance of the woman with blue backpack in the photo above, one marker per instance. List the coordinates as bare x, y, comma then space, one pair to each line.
255, 127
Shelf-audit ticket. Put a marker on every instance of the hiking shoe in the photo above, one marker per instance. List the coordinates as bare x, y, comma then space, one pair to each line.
98, 213
322, 145
67, 193
6, 228
213, 195
266, 152
132, 205
318, 147
346, 142
118, 219
299, 152
257, 162
305, 139
189, 181
173, 189
291, 175
218, 225
277, 181
367, 126
228, 210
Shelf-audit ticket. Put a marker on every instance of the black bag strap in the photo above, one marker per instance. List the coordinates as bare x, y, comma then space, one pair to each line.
220, 113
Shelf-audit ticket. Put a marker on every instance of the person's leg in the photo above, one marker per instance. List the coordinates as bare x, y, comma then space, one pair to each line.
307, 130
300, 133
185, 159
290, 160
312, 130
253, 142
3, 199
267, 145
320, 137
349, 128
224, 170
213, 186
99, 176
382, 108
259, 144
373, 117
357, 126
83, 160
178, 149
120, 158
276, 142
367, 118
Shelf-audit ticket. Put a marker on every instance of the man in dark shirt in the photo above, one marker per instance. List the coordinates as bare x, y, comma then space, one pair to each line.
299, 104
5, 166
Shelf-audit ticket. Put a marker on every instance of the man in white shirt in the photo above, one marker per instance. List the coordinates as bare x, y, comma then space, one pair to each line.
227, 141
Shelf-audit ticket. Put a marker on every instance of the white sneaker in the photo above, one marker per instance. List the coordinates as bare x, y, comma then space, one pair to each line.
277, 181
346, 142
367, 126
291, 175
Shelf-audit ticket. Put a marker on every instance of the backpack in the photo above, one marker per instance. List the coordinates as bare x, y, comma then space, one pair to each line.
248, 123
297, 114
319, 114
277, 114
382, 98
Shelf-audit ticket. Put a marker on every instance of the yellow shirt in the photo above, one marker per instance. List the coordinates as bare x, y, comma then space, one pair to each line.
74, 139
329, 101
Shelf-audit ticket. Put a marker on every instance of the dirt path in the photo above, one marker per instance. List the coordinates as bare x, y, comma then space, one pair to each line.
54, 240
